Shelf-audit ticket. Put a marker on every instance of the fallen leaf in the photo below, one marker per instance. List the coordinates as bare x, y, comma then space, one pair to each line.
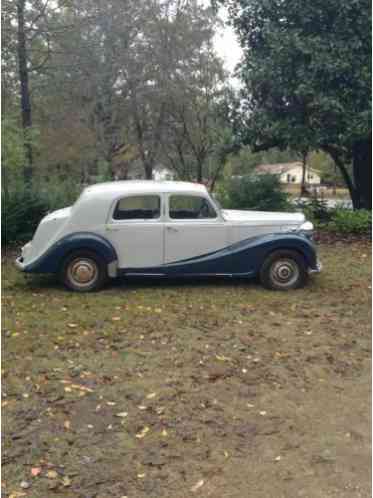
198, 485
52, 474
121, 414
142, 433
151, 395
222, 358
263, 412
115, 318
66, 481
141, 476
35, 471
72, 325
67, 424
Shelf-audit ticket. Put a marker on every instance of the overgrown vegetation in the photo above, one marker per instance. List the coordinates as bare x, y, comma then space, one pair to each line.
262, 193
338, 219
23, 208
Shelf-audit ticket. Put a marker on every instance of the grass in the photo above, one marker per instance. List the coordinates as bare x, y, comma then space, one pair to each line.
210, 388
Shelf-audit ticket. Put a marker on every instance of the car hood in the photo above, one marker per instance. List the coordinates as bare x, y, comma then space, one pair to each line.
262, 217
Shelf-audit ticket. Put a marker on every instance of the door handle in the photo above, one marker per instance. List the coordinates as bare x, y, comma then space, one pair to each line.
172, 229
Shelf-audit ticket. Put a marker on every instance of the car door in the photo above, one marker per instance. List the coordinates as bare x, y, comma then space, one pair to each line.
193, 227
135, 228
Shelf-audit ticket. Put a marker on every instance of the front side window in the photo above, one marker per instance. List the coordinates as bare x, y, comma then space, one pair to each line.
138, 207
190, 207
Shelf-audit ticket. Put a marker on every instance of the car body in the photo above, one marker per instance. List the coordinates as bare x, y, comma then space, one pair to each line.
163, 229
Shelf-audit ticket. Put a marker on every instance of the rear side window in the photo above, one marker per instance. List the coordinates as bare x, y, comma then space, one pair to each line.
138, 207
190, 207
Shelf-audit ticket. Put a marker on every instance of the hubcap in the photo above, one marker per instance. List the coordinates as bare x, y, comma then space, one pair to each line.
82, 272
285, 272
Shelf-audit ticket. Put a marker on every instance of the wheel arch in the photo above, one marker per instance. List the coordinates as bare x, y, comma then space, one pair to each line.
53, 258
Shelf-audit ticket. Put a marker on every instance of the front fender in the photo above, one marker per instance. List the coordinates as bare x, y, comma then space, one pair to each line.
252, 252
50, 261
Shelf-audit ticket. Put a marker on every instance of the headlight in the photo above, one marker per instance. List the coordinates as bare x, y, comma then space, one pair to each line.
306, 227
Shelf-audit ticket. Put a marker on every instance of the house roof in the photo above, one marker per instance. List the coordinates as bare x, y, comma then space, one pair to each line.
280, 168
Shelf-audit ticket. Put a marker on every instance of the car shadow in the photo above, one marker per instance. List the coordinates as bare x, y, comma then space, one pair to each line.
45, 282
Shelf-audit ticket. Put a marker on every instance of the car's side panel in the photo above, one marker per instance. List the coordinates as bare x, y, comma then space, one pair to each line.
137, 244
51, 260
243, 258
194, 238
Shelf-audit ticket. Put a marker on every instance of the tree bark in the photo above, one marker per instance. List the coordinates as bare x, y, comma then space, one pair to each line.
340, 163
24, 91
304, 168
362, 170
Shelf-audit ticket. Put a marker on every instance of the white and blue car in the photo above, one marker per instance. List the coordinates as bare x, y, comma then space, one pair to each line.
167, 229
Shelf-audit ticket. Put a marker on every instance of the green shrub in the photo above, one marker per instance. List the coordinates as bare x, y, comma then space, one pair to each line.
262, 193
24, 208
348, 221
317, 211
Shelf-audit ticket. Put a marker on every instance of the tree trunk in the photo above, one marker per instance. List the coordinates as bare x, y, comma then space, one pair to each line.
148, 167
362, 170
24, 91
199, 171
339, 161
304, 168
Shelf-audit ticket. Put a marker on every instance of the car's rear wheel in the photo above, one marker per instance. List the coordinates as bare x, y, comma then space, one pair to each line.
84, 271
284, 270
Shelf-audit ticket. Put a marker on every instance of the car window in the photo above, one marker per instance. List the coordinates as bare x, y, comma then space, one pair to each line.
138, 207
190, 207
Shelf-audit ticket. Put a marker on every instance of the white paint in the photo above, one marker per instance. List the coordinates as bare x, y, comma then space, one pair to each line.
147, 243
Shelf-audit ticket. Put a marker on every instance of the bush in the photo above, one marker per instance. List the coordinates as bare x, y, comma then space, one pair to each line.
262, 193
354, 222
24, 208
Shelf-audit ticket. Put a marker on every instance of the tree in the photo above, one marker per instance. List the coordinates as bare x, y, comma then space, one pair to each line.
306, 74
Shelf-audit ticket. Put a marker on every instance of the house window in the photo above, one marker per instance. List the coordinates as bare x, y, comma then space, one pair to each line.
190, 207
288, 178
293, 179
138, 207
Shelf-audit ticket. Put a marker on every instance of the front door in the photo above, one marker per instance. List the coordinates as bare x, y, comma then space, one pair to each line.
193, 228
136, 231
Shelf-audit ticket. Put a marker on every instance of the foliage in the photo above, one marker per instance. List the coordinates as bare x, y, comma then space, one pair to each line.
22, 209
351, 222
306, 72
261, 193
12, 153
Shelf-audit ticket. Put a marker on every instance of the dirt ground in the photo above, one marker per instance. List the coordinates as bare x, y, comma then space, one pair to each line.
212, 389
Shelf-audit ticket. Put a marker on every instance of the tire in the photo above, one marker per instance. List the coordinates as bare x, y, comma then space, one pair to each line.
284, 270
84, 271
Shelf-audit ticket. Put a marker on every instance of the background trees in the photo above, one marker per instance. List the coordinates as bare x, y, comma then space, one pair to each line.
112, 86
306, 81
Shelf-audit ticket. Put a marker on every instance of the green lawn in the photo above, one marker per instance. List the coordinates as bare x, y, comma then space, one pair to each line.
214, 388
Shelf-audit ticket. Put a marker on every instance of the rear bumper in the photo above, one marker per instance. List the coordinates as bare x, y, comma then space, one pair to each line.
20, 264
317, 269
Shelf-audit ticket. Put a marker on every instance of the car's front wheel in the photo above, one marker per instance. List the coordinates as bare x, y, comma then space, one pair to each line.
284, 270
84, 271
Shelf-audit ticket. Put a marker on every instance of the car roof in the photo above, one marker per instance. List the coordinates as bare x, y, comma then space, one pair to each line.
111, 189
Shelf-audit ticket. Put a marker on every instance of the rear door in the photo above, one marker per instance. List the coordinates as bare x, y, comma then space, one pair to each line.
136, 230
193, 228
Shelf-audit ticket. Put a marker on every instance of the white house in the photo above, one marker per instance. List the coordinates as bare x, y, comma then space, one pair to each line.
290, 173
163, 174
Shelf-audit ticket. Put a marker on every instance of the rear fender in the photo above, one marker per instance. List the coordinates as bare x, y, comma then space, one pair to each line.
51, 260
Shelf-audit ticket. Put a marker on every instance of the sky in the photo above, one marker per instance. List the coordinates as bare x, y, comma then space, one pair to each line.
226, 44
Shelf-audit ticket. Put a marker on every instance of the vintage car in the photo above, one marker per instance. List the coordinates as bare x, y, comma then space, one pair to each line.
167, 229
